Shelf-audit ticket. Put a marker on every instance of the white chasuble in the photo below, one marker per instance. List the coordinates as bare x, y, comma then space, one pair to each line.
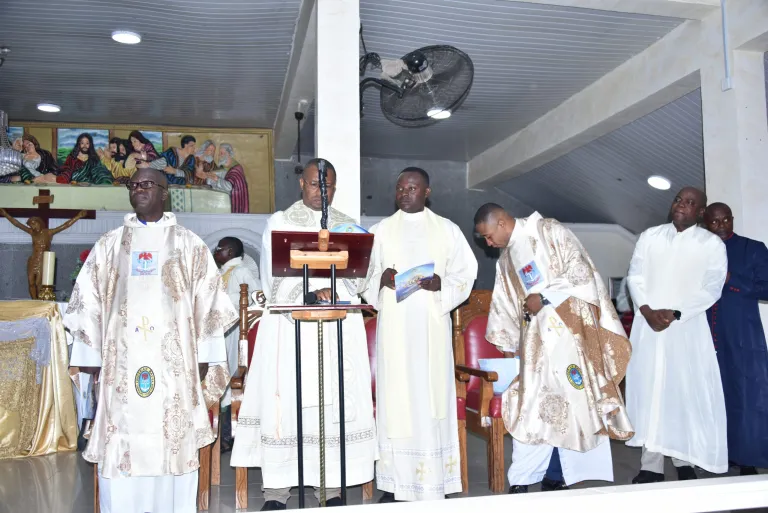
265, 435
674, 392
148, 307
415, 387
573, 353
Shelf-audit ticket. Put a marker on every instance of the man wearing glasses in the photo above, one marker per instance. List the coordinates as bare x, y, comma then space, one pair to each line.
740, 342
148, 312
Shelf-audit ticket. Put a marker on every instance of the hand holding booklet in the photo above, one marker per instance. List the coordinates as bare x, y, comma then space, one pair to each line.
407, 282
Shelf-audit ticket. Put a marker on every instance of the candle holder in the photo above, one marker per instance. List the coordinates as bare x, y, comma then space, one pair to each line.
46, 293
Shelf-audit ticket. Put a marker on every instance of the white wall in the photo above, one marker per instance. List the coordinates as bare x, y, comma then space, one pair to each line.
610, 246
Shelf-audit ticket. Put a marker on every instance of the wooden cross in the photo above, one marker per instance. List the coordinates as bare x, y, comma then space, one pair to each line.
44, 210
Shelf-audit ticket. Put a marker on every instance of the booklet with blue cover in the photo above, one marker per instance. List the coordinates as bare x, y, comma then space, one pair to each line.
407, 282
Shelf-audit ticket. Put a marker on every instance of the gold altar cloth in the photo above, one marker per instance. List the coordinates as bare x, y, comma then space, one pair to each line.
55, 428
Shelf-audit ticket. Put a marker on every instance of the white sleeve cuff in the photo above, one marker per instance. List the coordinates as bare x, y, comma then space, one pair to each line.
213, 350
84, 356
555, 297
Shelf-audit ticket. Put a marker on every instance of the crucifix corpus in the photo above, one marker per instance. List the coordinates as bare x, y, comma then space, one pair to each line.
42, 235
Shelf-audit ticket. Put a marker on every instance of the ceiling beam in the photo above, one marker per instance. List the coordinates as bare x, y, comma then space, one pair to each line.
687, 9
299, 80
665, 71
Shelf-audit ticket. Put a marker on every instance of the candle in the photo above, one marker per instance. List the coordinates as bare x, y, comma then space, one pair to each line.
49, 263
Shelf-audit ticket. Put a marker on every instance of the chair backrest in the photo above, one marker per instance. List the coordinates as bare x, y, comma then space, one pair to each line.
370, 332
252, 341
248, 325
469, 324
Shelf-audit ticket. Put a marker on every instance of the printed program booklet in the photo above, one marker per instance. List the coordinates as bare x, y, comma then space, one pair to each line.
407, 282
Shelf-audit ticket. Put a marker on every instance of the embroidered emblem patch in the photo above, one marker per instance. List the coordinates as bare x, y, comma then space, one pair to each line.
144, 263
145, 382
530, 275
145, 327
574, 376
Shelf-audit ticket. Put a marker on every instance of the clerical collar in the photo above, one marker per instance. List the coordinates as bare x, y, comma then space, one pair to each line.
232, 263
414, 215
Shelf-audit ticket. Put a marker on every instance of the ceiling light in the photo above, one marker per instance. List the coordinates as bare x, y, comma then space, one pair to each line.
126, 37
439, 113
659, 182
48, 107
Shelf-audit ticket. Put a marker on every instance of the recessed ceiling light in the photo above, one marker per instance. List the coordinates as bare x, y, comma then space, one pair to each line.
126, 37
48, 107
659, 182
439, 113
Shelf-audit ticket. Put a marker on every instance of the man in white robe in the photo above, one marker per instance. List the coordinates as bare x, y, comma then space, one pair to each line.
674, 393
415, 388
236, 268
149, 311
551, 307
266, 430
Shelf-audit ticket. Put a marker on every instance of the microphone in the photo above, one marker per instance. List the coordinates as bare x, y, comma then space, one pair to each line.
310, 298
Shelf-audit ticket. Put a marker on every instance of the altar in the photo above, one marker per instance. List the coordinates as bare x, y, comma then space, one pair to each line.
37, 404
113, 197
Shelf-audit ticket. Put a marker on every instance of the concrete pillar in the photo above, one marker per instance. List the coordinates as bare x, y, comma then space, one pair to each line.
736, 140
337, 105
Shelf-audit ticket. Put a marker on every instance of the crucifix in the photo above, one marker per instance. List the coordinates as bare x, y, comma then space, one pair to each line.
42, 235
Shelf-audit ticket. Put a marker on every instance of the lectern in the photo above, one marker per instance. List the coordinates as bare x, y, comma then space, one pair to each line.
321, 255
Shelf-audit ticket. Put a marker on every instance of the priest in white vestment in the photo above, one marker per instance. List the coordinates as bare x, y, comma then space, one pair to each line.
415, 387
551, 307
148, 308
674, 393
265, 435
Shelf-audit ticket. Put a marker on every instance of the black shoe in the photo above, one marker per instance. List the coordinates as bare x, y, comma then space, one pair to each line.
550, 485
272, 506
686, 473
646, 476
335, 501
747, 471
518, 489
387, 497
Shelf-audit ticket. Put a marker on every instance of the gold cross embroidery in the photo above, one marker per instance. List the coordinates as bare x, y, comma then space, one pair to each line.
557, 326
421, 471
145, 327
451, 465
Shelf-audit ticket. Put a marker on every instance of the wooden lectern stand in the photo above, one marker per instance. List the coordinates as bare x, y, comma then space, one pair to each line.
321, 255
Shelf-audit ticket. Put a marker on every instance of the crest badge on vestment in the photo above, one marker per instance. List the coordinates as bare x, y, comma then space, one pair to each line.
145, 382
575, 377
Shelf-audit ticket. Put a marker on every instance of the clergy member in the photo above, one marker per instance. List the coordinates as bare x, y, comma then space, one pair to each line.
740, 342
551, 307
674, 392
266, 431
235, 271
149, 310
415, 389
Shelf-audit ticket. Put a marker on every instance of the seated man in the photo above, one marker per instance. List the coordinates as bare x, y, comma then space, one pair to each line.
38, 163
229, 178
83, 165
177, 163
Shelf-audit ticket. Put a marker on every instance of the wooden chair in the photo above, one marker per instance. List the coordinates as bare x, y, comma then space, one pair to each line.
483, 407
248, 330
461, 380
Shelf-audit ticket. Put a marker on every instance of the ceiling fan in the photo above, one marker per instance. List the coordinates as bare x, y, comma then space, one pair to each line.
422, 87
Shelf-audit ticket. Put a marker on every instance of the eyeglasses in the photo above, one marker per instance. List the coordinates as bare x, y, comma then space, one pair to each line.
147, 184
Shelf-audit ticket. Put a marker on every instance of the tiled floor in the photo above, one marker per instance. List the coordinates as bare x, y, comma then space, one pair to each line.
63, 483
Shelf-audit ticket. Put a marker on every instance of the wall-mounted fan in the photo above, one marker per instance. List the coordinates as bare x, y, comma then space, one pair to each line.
422, 87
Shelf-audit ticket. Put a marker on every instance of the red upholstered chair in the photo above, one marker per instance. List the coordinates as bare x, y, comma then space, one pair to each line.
483, 407
461, 380
248, 331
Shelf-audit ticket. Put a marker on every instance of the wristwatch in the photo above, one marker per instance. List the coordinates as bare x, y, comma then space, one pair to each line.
544, 301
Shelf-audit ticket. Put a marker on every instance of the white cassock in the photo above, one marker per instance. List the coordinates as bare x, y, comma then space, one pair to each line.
573, 355
415, 387
265, 435
674, 392
234, 273
147, 307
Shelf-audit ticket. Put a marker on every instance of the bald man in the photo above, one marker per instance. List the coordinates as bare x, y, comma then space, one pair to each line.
740, 342
674, 393
550, 307
265, 436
